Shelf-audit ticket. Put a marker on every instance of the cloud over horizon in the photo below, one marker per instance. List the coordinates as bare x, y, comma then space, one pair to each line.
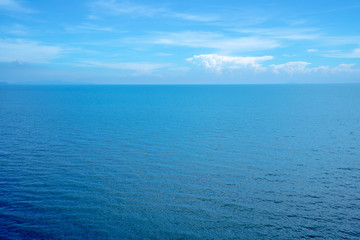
303, 67
181, 40
144, 68
218, 63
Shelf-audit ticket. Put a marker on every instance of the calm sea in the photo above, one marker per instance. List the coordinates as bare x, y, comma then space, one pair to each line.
180, 162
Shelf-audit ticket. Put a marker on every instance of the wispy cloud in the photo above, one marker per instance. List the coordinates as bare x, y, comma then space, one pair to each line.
118, 7
333, 10
143, 68
300, 34
303, 67
312, 50
14, 29
114, 7
340, 40
218, 63
192, 17
27, 51
214, 41
283, 33
340, 54
87, 27
15, 6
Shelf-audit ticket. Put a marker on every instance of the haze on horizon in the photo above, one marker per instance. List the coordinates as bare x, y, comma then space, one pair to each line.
171, 42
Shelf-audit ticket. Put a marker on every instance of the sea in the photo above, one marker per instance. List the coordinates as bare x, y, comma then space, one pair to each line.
180, 161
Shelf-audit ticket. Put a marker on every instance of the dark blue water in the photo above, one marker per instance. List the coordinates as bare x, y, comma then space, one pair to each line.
180, 162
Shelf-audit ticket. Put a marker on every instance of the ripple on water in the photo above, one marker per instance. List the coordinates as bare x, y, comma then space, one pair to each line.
179, 162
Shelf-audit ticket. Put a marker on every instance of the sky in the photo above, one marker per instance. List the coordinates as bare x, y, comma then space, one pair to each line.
179, 42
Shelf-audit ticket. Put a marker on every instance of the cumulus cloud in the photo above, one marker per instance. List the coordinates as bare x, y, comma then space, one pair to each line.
291, 67
344, 68
27, 51
218, 63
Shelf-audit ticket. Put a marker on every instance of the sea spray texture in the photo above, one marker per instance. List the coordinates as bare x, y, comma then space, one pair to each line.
172, 162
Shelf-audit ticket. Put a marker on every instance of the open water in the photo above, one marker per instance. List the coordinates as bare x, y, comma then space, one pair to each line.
180, 162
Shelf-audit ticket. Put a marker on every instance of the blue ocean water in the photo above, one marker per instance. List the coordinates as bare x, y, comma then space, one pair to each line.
180, 162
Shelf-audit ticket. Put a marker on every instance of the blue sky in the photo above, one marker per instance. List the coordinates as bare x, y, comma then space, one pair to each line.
179, 42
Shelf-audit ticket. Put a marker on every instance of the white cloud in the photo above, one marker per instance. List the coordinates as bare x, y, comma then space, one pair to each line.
300, 34
124, 7
340, 40
291, 67
303, 67
312, 50
118, 7
12, 5
87, 27
192, 17
218, 63
341, 68
339, 54
214, 41
283, 33
27, 51
145, 68
14, 29
345, 68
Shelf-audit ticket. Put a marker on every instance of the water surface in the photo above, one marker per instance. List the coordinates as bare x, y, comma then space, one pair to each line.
180, 162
